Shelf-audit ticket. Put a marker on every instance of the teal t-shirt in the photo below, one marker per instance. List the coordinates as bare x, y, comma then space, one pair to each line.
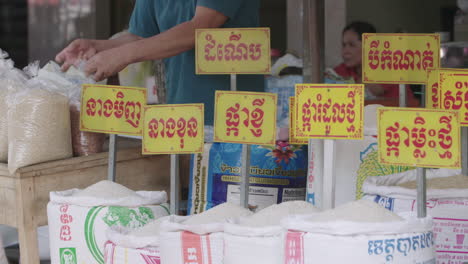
151, 17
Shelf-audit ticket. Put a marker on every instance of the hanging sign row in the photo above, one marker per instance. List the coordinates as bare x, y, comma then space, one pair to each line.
317, 110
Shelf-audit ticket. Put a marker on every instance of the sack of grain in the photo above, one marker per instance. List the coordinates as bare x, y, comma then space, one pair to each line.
358, 232
278, 174
38, 126
128, 246
447, 202
259, 238
79, 219
197, 238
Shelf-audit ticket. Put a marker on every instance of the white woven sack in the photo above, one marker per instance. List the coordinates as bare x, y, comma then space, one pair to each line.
405, 242
449, 207
78, 225
200, 244
121, 255
252, 245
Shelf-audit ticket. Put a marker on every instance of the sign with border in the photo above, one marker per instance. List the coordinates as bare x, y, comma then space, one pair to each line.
399, 58
329, 111
233, 51
425, 138
245, 117
112, 109
173, 129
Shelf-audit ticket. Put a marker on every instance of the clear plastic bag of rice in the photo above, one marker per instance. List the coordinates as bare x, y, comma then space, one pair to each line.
38, 125
11, 80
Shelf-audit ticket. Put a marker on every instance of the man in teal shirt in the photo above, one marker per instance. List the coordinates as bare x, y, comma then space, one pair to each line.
165, 29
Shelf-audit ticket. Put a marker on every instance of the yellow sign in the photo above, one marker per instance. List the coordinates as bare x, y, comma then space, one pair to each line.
453, 88
419, 137
233, 50
432, 89
173, 129
292, 124
399, 58
329, 111
112, 109
433, 84
245, 117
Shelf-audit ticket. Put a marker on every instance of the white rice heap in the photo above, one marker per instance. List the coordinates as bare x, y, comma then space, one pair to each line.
218, 214
272, 215
452, 182
106, 190
358, 211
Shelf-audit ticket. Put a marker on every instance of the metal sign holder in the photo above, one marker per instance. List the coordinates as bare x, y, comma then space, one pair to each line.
245, 161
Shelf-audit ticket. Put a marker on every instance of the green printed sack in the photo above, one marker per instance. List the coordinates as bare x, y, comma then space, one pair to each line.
78, 225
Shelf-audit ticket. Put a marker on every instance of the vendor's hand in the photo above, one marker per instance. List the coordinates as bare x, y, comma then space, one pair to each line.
105, 64
79, 49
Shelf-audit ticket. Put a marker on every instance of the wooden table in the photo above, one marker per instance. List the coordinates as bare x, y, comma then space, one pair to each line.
25, 194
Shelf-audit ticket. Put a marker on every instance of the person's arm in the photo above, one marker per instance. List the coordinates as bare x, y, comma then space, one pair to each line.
86, 48
172, 42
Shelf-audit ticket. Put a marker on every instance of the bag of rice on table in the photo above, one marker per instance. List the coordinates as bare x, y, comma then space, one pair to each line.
79, 219
198, 238
358, 232
38, 125
259, 238
447, 202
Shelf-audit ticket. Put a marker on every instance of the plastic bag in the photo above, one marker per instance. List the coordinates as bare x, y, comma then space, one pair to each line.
38, 125
84, 143
12, 80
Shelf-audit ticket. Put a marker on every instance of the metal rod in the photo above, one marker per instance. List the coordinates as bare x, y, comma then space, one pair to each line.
464, 150
233, 82
245, 177
329, 181
112, 157
423, 96
175, 184
421, 192
402, 91
315, 173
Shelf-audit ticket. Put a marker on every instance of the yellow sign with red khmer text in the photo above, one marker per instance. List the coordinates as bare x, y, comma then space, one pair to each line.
453, 92
292, 124
173, 129
329, 111
433, 90
233, 51
112, 109
399, 58
245, 117
424, 138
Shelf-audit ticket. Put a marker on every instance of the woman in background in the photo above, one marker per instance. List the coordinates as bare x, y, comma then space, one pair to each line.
351, 68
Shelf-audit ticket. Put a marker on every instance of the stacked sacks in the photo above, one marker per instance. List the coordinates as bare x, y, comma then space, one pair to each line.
79, 219
447, 202
174, 239
198, 238
361, 232
259, 238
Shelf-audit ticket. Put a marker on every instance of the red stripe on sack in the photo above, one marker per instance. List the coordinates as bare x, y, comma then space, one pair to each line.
192, 248
294, 248
208, 249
